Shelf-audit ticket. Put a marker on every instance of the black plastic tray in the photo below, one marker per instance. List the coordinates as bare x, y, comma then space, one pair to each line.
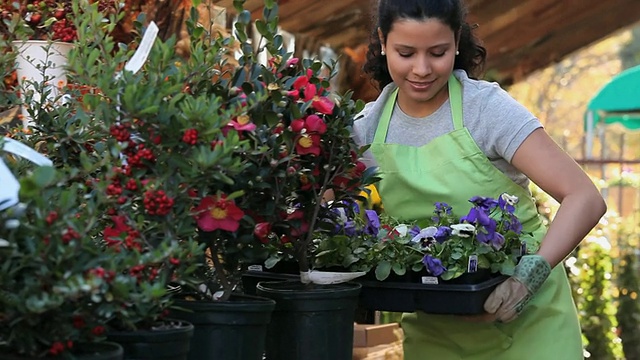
454, 299
404, 296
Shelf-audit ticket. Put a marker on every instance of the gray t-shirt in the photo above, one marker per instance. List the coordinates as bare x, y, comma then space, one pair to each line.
495, 120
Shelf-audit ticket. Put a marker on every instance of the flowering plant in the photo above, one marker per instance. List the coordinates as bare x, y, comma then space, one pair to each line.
488, 237
309, 158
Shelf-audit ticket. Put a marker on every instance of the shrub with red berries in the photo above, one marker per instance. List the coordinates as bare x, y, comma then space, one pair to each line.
45, 19
54, 276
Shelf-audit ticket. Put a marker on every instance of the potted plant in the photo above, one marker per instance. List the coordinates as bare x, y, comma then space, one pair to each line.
300, 163
439, 256
134, 300
52, 271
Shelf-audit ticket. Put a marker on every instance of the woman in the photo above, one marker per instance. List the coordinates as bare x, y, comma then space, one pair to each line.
437, 134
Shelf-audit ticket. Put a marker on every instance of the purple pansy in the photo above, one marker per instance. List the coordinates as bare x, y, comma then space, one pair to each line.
350, 228
415, 230
373, 223
479, 216
493, 238
486, 204
434, 265
442, 234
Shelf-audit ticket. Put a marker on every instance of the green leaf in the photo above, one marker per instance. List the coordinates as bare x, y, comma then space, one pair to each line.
399, 269
44, 175
383, 270
262, 28
271, 262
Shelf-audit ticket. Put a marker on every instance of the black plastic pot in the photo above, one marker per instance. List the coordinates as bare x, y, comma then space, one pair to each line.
250, 279
310, 323
167, 342
229, 330
93, 351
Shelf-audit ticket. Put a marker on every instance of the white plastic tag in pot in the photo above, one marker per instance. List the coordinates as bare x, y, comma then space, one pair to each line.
9, 185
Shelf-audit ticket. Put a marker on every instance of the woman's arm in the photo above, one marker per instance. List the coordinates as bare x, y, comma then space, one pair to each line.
555, 172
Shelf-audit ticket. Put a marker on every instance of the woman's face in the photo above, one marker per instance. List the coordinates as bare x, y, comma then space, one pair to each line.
420, 57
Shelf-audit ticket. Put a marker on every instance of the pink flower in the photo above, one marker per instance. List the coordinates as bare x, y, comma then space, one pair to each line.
218, 213
242, 123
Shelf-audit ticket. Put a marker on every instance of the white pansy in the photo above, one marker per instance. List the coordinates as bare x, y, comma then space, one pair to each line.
426, 233
342, 215
12, 223
402, 229
509, 199
462, 230
4, 243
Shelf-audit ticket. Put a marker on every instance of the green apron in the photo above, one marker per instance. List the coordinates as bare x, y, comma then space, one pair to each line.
452, 169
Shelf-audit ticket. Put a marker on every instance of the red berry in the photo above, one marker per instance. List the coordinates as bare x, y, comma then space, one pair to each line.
59, 14
35, 19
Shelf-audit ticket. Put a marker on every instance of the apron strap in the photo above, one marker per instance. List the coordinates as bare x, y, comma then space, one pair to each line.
383, 124
455, 99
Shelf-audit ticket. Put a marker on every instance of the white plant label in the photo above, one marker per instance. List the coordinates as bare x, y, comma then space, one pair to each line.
142, 53
9, 185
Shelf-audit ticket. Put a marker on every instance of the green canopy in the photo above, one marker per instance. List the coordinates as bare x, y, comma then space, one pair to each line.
617, 102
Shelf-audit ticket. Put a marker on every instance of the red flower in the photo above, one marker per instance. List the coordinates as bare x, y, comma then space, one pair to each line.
301, 85
262, 231
218, 213
303, 228
321, 104
308, 144
355, 173
310, 129
112, 233
306, 182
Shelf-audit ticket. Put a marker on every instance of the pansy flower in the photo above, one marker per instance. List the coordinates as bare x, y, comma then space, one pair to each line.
434, 265
507, 202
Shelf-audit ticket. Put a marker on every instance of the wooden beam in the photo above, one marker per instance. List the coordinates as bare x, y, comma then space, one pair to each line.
521, 36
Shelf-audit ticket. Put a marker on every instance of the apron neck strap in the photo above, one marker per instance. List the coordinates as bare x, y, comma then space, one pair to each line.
455, 99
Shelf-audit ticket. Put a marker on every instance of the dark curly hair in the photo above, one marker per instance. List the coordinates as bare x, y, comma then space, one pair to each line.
451, 12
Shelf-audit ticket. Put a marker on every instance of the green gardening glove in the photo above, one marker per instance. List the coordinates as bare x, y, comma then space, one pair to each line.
509, 298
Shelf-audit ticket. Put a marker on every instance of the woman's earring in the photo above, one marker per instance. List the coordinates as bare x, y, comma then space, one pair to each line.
382, 52
457, 52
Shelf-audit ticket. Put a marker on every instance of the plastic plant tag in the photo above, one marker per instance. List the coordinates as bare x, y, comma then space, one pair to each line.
473, 264
327, 277
9, 189
255, 268
10, 185
142, 53
429, 280
22, 150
